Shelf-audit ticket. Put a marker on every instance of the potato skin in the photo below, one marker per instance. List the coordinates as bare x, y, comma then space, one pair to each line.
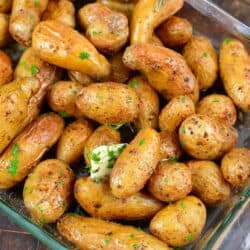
76, 76
71, 144
91, 234
180, 223
48, 191
235, 166
5, 6
108, 103
6, 70
33, 142
143, 154
235, 72
4, 30
208, 182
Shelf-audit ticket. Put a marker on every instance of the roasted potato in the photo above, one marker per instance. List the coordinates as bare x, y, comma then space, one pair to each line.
76, 76
208, 182
4, 30
5, 6
108, 103
234, 71
27, 149
155, 40
93, 234
165, 69
6, 70
175, 112
47, 191
180, 223
130, 176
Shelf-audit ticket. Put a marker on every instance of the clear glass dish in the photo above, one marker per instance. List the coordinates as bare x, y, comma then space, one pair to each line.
228, 225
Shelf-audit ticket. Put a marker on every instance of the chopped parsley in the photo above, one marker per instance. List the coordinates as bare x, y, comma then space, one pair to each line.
216, 100
182, 205
95, 156
116, 127
61, 183
23, 63
84, 55
228, 40
166, 180
159, 4
183, 130
34, 70
172, 159
95, 33
36, 3
205, 54
134, 84
141, 142
132, 236
107, 241
13, 165
183, 99
190, 237
64, 114
137, 246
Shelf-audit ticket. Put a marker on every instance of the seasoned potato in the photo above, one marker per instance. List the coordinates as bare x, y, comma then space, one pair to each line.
175, 31
98, 201
6, 70
175, 112
108, 103
135, 164
105, 28
180, 223
208, 182
103, 135
93, 234
47, 192
28, 148
77, 76
235, 166
235, 72
5, 6
148, 14
165, 69
68, 49
71, 144
219, 106
205, 137
201, 57
149, 103
155, 40
4, 30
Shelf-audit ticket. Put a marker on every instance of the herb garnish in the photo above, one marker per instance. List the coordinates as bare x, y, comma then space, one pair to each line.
84, 55
13, 165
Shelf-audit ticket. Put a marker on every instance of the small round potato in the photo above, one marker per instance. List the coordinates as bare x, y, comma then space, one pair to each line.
171, 181
180, 223
6, 70
4, 30
208, 182
235, 166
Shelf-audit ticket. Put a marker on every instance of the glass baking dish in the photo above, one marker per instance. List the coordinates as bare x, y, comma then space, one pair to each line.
228, 225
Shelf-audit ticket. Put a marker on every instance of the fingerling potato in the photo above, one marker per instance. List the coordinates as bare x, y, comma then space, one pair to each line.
6, 70
76, 76
5, 6
4, 30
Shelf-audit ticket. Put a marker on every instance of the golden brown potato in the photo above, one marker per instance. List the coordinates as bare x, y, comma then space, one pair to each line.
76, 76
155, 40
71, 144
219, 106
93, 234
180, 223
99, 202
235, 72
235, 166
201, 57
47, 192
135, 164
5, 6
175, 112
61, 45
148, 14
205, 137
165, 69
108, 103
208, 182
6, 70
149, 103
28, 148
4, 30
105, 28
175, 31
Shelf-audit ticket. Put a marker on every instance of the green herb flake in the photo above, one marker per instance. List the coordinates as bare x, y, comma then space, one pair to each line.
137, 246
95, 157
166, 180
36, 3
205, 54
95, 33
34, 70
132, 236
84, 55
141, 142
61, 183
228, 40
63, 114
107, 241
183, 99
159, 4
183, 130
134, 84
182, 205
216, 100
190, 237
116, 127
23, 63
73, 92
172, 159
13, 165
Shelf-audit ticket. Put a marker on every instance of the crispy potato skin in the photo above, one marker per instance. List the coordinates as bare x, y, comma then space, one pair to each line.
61, 45
97, 200
6, 70
76, 76
5, 6
4, 30
90, 234
208, 182
71, 144
201, 57
235, 72
149, 103
219, 106
36, 139
180, 223
147, 15
175, 112
143, 154
108, 103
105, 28
235, 166
48, 191
165, 69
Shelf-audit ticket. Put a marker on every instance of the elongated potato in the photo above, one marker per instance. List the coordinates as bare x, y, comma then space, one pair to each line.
180, 223
6, 70
175, 112
149, 103
108, 103
61, 45
94, 234
71, 144
47, 192
4, 30
235, 72
130, 176
76, 76
165, 69
27, 149
5, 6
